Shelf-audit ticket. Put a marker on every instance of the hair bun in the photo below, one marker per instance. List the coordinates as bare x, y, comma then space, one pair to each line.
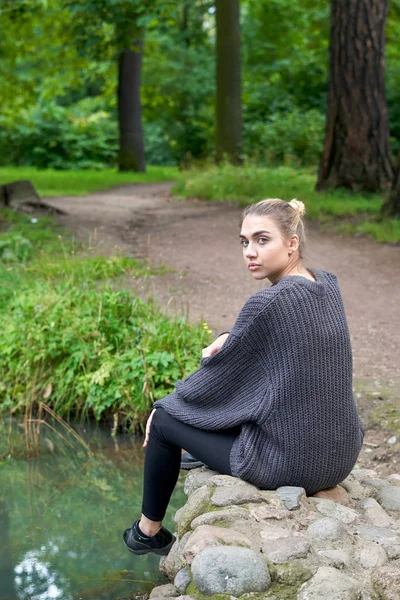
298, 206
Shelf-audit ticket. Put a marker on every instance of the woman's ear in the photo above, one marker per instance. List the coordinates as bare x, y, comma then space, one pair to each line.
293, 244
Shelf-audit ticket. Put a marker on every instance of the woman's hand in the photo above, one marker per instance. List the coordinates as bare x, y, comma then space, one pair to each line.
148, 425
215, 346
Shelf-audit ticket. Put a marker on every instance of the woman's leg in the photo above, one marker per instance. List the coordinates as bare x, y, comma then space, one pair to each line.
163, 456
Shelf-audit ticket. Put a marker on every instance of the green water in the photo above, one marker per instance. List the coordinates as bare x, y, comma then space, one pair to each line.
62, 515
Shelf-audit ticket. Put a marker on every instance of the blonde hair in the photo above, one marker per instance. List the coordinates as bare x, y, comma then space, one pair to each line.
286, 215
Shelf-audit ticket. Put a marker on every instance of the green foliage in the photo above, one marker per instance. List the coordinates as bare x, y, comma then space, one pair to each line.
52, 136
294, 137
50, 182
65, 324
353, 213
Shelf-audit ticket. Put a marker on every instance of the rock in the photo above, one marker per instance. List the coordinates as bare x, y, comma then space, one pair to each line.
197, 503
336, 558
250, 529
229, 514
326, 529
387, 580
230, 570
389, 497
392, 440
387, 538
285, 549
272, 532
196, 478
291, 573
238, 494
360, 474
291, 496
174, 561
394, 479
330, 584
206, 536
355, 490
372, 555
263, 512
336, 494
328, 508
163, 591
375, 483
374, 513
271, 498
182, 580
225, 481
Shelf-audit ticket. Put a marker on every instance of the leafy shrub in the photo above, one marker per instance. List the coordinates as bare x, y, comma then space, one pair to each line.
52, 136
102, 351
295, 137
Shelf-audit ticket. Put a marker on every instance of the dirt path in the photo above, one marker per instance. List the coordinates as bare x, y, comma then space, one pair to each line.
199, 241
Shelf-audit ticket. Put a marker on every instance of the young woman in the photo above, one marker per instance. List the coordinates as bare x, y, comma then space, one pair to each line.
272, 401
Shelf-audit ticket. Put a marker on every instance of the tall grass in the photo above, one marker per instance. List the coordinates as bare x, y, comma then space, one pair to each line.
71, 337
359, 212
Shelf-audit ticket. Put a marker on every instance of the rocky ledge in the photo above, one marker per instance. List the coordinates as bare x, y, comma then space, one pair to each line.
236, 541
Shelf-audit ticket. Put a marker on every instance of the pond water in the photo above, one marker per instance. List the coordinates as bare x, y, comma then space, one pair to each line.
62, 515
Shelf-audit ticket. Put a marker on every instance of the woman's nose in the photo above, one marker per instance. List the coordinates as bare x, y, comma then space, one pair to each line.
250, 251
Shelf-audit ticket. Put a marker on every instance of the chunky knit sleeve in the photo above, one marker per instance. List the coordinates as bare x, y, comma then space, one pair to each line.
225, 391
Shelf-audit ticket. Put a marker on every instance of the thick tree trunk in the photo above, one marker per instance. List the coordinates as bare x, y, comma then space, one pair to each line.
131, 144
391, 207
357, 151
228, 100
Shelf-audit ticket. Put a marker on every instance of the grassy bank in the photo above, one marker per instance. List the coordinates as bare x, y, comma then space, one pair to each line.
73, 339
349, 213
50, 182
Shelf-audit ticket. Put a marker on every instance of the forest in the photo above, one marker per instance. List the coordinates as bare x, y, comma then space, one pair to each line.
60, 59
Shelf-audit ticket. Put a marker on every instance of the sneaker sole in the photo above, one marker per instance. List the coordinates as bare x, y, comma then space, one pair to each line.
191, 465
160, 551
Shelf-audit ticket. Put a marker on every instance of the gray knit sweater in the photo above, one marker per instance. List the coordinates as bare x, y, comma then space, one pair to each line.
285, 375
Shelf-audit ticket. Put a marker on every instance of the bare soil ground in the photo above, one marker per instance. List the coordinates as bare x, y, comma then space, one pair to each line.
198, 241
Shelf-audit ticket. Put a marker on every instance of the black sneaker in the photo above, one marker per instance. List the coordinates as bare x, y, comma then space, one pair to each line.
161, 543
190, 462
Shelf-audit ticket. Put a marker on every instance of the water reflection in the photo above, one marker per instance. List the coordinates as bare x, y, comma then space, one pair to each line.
61, 520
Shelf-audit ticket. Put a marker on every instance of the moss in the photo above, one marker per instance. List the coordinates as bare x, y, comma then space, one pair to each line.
192, 590
280, 591
291, 573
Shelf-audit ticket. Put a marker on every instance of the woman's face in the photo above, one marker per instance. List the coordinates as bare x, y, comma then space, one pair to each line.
266, 253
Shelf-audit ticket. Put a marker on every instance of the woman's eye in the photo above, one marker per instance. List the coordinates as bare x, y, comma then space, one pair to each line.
244, 243
262, 240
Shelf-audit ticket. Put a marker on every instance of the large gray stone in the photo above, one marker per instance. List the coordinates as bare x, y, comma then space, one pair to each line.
335, 558
361, 474
230, 570
387, 538
375, 514
225, 481
326, 528
197, 503
228, 514
389, 497
235, 494
286, 549
328, 508
196, 478
291, 496
372, 556
375, 483
330, 584
182, 580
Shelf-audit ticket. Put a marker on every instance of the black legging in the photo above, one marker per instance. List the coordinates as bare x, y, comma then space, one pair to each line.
163, 457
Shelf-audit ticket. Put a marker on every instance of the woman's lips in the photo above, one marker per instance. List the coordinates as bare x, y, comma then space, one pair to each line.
253, 266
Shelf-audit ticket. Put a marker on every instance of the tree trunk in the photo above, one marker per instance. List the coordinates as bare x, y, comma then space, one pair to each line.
228, 99
391, 207
131, 144
357, 151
